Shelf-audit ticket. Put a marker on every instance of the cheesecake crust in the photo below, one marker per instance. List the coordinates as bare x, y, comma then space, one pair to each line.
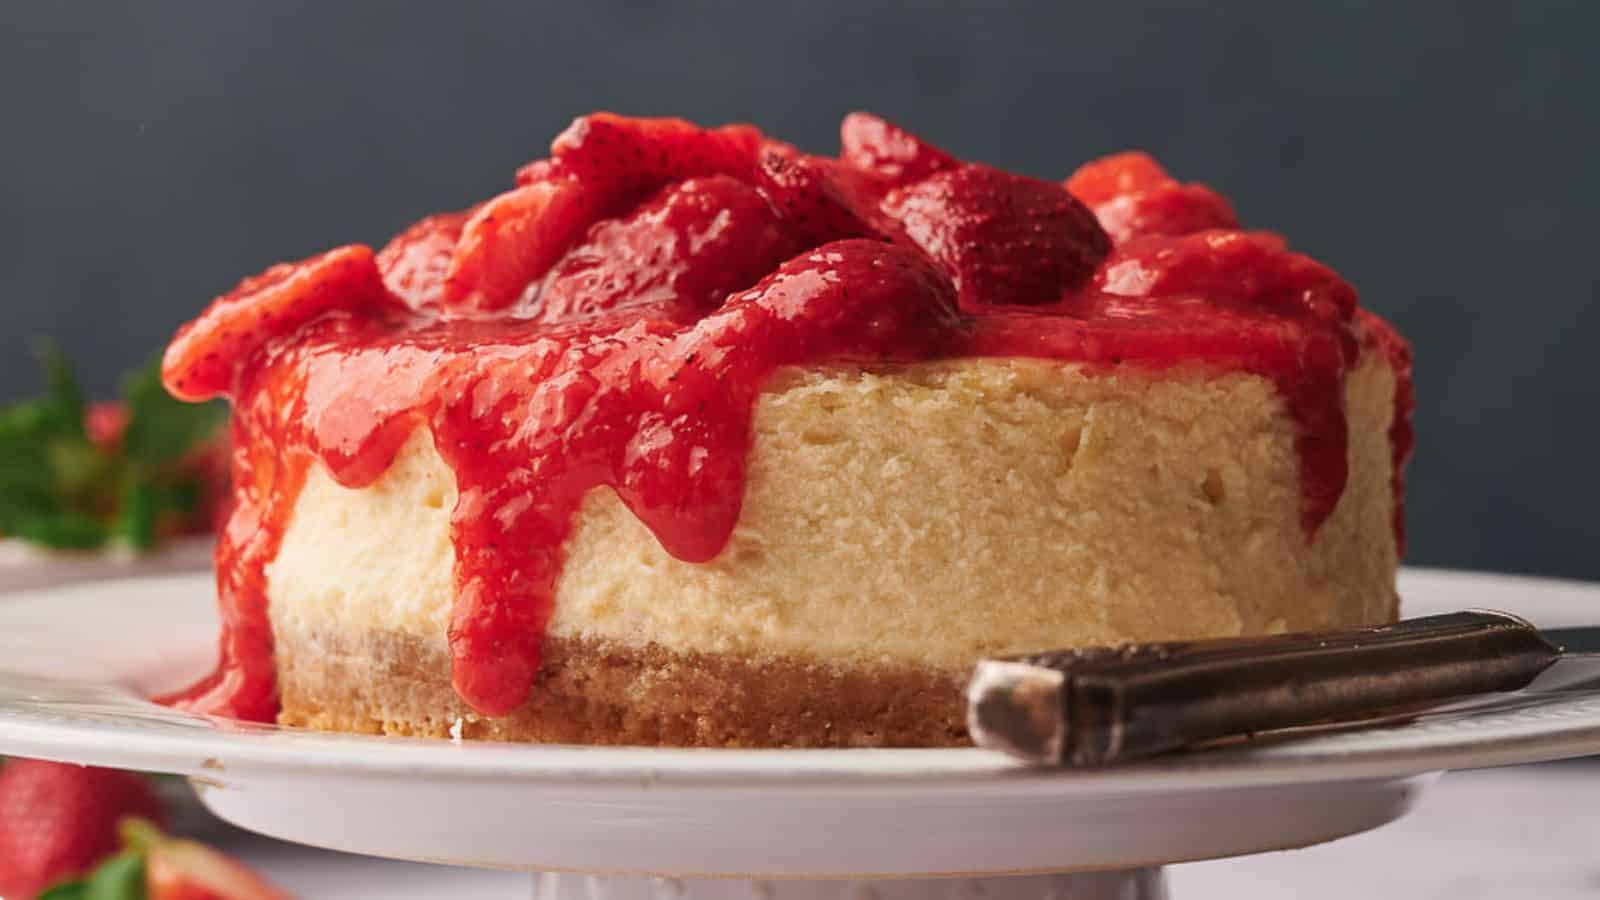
596, 692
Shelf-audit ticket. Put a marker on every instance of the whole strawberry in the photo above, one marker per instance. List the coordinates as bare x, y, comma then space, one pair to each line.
58, 821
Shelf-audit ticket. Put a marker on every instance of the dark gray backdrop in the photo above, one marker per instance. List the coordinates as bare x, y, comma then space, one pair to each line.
1439, 155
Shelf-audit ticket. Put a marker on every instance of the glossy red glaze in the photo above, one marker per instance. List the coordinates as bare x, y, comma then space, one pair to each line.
203, 359
888, 151
416, 262
610, 323
679, 254
1133, 197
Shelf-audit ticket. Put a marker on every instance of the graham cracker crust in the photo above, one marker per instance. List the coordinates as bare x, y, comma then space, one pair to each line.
602, 693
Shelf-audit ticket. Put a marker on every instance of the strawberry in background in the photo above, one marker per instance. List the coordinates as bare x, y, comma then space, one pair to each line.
58, 821
72, 832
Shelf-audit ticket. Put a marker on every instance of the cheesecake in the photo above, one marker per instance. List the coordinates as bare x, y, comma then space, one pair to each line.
693, 438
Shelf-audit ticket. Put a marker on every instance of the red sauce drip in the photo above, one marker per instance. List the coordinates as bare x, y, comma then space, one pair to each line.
610, 322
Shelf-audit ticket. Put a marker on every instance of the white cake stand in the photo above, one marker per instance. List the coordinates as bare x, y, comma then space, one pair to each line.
648, 823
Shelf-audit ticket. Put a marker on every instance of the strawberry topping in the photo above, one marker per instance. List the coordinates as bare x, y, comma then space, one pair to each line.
609, 323
1003, 239
206, 354
679, 254
888, 151
416, 262
1134, 197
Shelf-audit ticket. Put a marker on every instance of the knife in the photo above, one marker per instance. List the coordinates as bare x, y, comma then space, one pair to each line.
1104, 705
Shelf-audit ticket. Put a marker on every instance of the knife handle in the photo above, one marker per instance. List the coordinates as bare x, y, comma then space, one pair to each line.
1102, 705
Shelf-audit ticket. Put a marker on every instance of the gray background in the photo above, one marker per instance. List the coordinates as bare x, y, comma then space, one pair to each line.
1439, 155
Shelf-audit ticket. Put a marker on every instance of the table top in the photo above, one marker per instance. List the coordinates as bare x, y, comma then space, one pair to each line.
1526, 831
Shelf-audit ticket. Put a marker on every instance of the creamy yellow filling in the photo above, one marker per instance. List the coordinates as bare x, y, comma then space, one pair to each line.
929, 513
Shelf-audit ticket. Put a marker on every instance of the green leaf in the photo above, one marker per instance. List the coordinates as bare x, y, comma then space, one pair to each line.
66, 530
82, 472
59, 489
144, 506
161, 428
67, 890
63, 403
34, 434
22, 497
119, 878
137, 514
47, 465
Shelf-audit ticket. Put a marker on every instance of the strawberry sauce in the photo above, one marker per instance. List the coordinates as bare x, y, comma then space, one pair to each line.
611, 319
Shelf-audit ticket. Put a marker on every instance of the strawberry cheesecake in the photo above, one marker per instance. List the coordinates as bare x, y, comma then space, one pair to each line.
693, 438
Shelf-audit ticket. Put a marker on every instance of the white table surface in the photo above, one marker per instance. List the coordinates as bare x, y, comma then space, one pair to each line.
1532, 831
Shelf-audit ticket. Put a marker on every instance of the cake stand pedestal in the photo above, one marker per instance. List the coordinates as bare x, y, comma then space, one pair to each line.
605, 824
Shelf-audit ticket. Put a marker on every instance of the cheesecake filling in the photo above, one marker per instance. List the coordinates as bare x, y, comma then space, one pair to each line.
611, 322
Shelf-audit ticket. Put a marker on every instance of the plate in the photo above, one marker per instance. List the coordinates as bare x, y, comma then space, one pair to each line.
75, 661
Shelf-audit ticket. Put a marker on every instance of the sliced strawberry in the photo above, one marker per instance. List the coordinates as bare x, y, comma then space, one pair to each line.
186, 870
513, 239
683, 251
601, 164
629, 154
1113, 176
414, 264
888, 151
820, 199
58, 821
1003, 239
1169, 209
203, 356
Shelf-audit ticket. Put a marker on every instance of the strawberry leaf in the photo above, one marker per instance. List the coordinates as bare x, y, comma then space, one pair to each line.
61, 488
64, 530
119, 878
47, 464
161, 428
63, 402
161, 432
